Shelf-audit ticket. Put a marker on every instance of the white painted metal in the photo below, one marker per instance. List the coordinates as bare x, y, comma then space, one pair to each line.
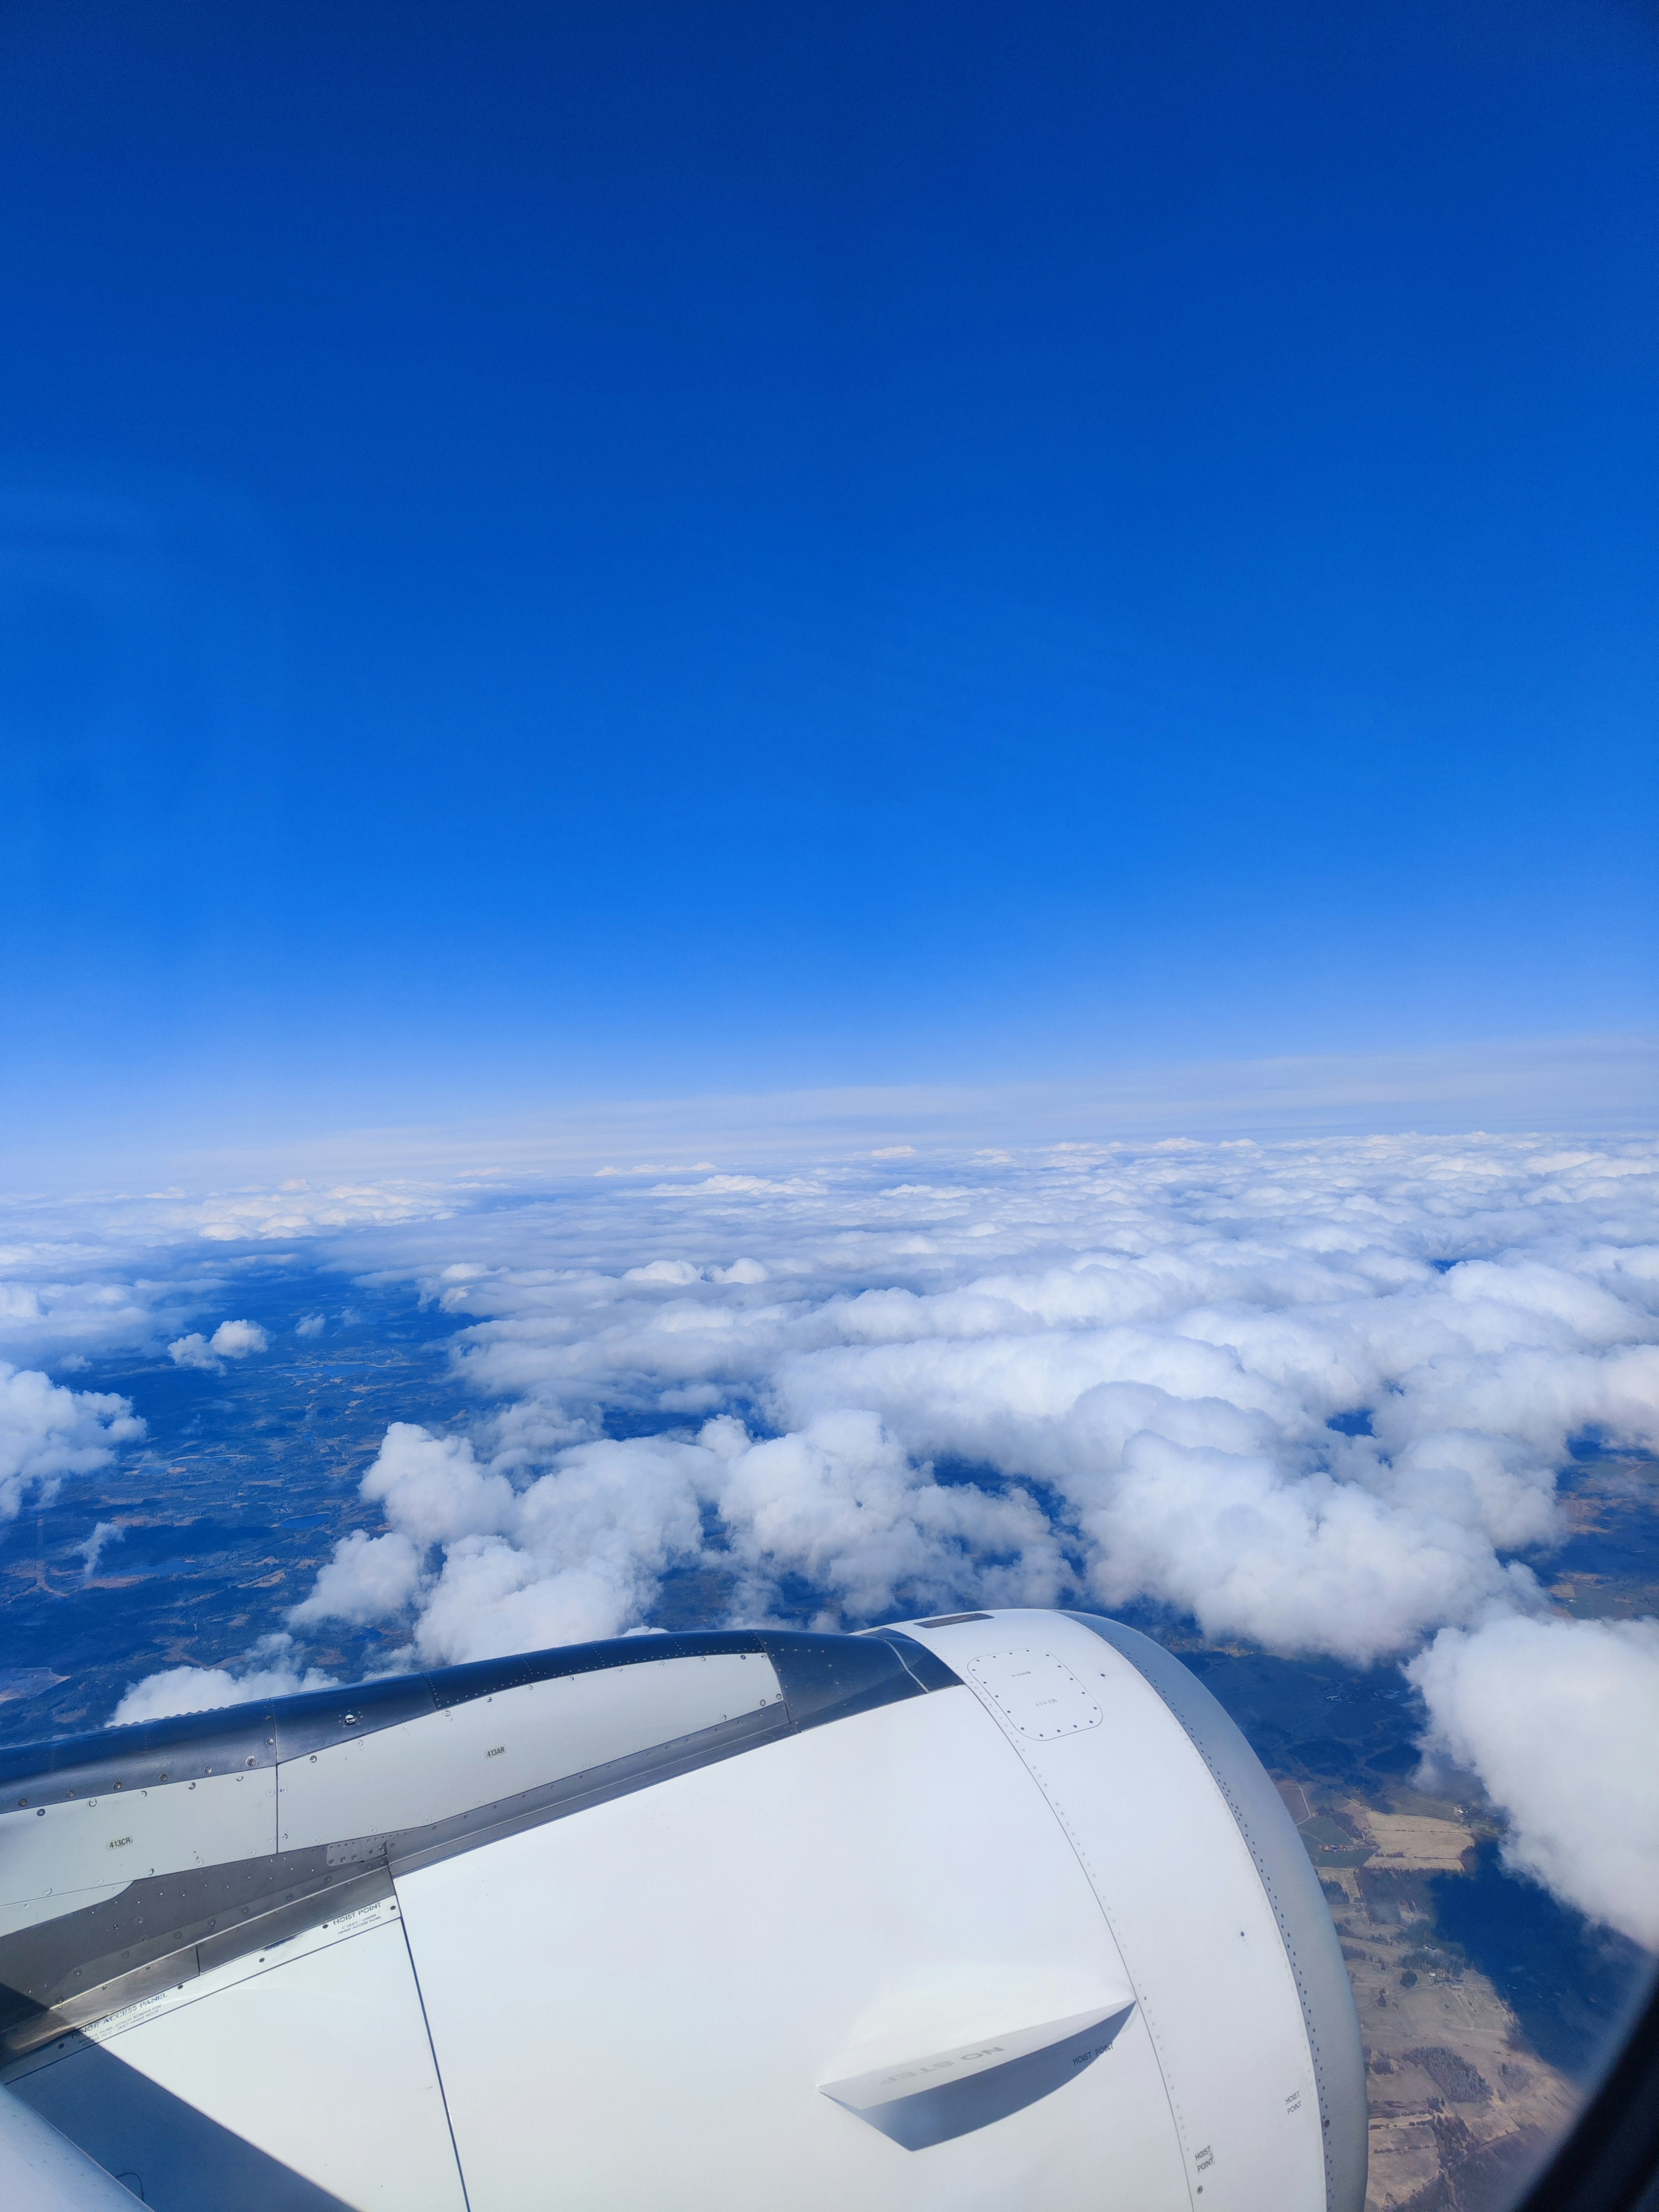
682, 2000
1035, 1692
321, 2060
445, 1763
1191, 1922
28, 1911
912, 2067
635, 2008
77, 1852
41, 2170
199, 1987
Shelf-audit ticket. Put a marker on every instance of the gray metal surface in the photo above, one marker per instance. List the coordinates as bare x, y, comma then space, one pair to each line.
196, 1901
42, 2170
959, 2108
175, 2158
823, 1678
1287, 1875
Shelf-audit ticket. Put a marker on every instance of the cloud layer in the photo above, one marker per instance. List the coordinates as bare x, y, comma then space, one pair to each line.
1315, 1394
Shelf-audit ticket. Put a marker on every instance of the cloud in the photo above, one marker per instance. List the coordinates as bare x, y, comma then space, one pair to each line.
1312, 1393
309, 1324
235, 1339
105, 1534
575, 1553
47, 1431
663, 1271
368, 1578
232, 1339
1133, 1402
840, 1505
1560, 1719
268, 1673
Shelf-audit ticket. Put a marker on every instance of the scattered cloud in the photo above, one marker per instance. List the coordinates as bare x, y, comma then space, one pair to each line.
235, 1339
232, 1339
47, 1431
310, 1325
736, 1186
106, 1533
1315, 1393
269, 1673
740, 1271
1559, 1719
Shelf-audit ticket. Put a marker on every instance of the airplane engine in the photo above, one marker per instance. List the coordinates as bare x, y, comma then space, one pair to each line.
990, 1909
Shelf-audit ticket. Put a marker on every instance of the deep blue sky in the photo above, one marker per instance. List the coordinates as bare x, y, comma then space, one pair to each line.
623, 548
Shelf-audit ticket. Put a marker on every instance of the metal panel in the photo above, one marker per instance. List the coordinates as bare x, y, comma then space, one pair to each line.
27, 1912
1310, 1939
55, 1850
315, 1718
637, 2008
497, 1745
72, 1958
42, 2170
831, 1678
478, 1678
320, 2062
191, 1746
95, 1958
161, 2145
409, 1848
186, 1748
1036, 1693
1195, 1927
956, 2092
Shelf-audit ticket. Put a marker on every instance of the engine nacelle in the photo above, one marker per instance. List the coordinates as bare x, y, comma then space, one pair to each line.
992, 1909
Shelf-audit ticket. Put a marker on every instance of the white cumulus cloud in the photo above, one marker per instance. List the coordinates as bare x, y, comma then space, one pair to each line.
47, 1431
232, 1339
1560, 1720
1317, 1394
270, 1673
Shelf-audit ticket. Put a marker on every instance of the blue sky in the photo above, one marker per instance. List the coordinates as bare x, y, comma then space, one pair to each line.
625, 550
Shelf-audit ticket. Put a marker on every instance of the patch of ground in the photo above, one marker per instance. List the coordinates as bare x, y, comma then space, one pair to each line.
1415, 1844
1462, 2108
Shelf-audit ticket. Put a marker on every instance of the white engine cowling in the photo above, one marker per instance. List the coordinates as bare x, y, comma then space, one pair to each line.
995, 1908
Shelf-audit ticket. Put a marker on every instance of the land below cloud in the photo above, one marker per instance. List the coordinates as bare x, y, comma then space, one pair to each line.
1303, 1411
